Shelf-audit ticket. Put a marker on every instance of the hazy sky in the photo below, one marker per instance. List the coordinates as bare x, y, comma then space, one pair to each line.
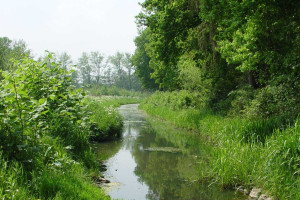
73, 26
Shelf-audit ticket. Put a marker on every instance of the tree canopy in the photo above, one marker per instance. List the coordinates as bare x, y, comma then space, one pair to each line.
218, 46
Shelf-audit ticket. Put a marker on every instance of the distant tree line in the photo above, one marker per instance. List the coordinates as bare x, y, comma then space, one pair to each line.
94, 69
91, 69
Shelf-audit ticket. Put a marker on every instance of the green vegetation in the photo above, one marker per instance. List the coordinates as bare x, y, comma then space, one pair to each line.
244, 152
105, 90
46, 129
230, 70
106, 125
226, 69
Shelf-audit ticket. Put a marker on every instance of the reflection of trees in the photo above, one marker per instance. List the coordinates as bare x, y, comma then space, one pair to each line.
167, 174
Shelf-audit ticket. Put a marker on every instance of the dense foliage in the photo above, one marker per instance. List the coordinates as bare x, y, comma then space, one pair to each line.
220, 46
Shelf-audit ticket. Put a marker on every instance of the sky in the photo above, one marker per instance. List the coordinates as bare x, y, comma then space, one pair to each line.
73, 26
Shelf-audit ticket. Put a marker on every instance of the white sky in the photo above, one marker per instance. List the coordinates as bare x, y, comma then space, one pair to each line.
73, 26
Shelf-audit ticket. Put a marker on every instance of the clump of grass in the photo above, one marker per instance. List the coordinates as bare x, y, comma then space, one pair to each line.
11, 179
71, 183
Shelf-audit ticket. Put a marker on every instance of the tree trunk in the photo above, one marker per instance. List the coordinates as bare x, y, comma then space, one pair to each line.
252, 80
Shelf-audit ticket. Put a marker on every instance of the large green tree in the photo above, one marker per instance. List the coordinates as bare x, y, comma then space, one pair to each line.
141, 61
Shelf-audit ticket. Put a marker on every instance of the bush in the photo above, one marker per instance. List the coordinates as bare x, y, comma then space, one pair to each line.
36, 99
274, 101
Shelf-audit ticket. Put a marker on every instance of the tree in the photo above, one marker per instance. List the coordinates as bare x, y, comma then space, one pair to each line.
11, 49
65, 60
85, 68
141, 59
127, 62
117, 62
96, 59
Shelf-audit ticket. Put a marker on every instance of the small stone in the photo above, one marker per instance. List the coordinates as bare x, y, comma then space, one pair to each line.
246, 192
263, 197
240, 189
103, 180
254, 194
107, 181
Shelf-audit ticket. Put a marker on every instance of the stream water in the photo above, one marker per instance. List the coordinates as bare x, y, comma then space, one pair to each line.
151, 164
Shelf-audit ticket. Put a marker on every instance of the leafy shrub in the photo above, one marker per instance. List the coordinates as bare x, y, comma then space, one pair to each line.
240, 99
274, 101
36, 99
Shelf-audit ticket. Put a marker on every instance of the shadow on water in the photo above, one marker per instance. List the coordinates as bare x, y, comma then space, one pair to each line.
145, 165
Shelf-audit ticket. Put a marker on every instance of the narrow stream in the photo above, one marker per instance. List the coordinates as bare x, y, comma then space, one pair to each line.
148, 165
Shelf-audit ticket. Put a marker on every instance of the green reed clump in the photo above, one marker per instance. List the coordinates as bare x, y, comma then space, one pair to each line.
11, 179
107, 123
280, 163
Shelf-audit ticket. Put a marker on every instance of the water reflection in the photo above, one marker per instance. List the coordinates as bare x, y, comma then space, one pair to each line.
157, 175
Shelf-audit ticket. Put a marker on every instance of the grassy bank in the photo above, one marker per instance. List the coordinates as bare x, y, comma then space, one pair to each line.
46, 133
107, 123
244, 152
104, 90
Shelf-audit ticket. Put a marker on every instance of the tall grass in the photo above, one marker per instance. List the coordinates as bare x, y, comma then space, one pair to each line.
259, 152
